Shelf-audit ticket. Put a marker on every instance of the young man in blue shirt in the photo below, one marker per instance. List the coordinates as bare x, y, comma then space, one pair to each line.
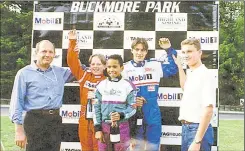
146, 75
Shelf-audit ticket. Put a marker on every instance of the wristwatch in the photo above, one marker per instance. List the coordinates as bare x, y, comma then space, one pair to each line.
198, 142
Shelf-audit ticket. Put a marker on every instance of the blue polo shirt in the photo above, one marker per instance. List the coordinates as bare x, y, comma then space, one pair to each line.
37, 89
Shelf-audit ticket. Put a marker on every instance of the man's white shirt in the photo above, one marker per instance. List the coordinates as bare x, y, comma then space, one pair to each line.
199, 92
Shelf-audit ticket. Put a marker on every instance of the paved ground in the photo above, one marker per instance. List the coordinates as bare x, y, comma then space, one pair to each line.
228, 115
4, 111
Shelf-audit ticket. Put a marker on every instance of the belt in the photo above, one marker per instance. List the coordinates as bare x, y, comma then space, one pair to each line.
46, 112
185, 122
109, 121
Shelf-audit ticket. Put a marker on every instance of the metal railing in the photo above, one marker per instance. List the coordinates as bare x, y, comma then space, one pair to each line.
4, 101
231, 108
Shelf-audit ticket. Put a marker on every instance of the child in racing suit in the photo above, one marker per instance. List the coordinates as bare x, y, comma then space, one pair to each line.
116, 103
146, 75
87, 79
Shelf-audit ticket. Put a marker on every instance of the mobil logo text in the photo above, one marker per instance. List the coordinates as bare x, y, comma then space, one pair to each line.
39, 20
141, 77
207, 40
169, 96
70, 114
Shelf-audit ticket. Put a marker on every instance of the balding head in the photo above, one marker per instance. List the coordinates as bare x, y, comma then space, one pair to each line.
45, 43
44, 54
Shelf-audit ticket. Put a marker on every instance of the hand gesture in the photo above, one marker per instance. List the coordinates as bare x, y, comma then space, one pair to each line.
72, 34
76, 49
99, 136
91, 94
115, 116
140, 101
132, 144
164, 43
177, 60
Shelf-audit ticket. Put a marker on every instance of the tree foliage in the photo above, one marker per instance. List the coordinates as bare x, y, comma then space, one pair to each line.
16, 29
231, 52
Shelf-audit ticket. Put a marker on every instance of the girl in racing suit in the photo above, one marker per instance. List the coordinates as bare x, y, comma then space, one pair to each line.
87, 81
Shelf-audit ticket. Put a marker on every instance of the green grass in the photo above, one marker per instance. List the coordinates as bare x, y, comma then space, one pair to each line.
7, 134
231, 135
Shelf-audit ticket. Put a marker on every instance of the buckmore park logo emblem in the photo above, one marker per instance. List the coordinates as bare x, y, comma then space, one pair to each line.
109, 22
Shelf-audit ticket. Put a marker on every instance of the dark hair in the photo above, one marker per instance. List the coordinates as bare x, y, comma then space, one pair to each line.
116, 57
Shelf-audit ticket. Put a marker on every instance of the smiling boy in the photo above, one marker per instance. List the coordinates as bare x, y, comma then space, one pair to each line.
116, 101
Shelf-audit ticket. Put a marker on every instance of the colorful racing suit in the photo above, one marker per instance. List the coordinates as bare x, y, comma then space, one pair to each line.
146, 77
87, 81
114, 96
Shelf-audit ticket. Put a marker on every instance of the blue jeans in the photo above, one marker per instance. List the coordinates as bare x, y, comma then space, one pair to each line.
189, 133
150, 134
